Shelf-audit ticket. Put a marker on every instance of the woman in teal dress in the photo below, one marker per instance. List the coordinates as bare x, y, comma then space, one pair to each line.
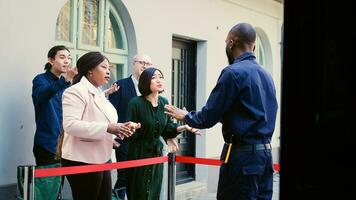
144, 183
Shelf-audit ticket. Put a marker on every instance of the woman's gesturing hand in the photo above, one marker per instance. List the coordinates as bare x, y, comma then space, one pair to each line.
123, 129
192, 130
172, 145
113, 88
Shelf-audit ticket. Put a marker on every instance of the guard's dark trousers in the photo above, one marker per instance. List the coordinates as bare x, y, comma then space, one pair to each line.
248, 175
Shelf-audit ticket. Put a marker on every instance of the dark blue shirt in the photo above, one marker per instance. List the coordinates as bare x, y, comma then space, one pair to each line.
243, 100
120, 100
47, 90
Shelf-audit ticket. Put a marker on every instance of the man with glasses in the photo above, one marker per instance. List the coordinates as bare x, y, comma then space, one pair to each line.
128, 88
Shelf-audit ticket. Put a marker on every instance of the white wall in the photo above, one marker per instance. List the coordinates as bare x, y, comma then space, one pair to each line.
204, 20
28, 31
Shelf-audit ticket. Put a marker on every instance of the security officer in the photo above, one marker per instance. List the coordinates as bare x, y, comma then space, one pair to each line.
244, 101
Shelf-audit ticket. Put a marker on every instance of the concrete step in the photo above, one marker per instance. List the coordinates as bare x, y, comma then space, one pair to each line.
189, 191
209, 196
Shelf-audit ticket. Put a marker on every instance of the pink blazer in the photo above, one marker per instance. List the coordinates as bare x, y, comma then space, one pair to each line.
86, 115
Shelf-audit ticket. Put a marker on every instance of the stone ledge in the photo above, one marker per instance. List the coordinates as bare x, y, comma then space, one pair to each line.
190, 190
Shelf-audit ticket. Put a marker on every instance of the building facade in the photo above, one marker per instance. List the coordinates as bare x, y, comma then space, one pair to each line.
186, 40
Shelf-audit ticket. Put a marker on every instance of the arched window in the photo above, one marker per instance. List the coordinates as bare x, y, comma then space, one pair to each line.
263, 51
260, 52
94, 25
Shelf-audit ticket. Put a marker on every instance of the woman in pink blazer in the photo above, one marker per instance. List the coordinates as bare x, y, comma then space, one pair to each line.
89, 123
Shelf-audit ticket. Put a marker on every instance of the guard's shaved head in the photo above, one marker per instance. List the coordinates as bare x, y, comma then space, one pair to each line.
243, 34
240, 39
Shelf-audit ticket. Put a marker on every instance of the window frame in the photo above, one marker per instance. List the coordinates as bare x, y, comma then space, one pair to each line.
260, 47
123, 51
73, 31
77, 48
100, 30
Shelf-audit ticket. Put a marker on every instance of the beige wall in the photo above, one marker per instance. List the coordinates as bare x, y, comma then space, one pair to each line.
28, 30
26, 35
208, 22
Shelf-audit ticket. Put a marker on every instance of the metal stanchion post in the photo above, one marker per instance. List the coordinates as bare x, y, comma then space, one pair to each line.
29, 183
171, 175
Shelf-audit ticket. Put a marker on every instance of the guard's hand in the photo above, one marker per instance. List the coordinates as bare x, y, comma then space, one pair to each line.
175, 112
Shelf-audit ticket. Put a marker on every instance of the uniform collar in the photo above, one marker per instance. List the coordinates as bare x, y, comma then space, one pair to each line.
245, 56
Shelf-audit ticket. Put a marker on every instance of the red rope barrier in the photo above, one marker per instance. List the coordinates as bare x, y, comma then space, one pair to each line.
193, 160
276, 167
206, 161
126, 164
99, 167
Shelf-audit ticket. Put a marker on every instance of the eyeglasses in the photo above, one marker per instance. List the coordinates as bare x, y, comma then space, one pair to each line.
143, 62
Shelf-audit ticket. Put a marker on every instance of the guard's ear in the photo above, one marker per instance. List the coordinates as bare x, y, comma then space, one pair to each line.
231, 43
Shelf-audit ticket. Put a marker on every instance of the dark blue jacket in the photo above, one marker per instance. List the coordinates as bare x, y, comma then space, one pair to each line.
47, 90
120, 99
243, 100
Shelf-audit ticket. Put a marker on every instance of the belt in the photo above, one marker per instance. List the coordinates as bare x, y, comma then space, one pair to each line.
252, 147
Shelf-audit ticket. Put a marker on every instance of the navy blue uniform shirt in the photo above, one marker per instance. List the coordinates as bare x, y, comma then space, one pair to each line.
47, 90
243, 100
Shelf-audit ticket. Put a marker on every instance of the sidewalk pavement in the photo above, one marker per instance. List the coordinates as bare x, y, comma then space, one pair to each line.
207, 196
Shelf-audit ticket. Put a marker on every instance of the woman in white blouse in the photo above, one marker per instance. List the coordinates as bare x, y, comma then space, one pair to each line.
89, 123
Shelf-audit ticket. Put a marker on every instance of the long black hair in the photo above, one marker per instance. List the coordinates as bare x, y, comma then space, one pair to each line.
52, 54
87, 62
144, 83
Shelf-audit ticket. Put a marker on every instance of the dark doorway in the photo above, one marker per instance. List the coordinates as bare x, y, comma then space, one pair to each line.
184, 72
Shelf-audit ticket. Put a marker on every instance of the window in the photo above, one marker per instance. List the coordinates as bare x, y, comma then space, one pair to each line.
89, 26
263, 51
259, 52
63, 26
94, 25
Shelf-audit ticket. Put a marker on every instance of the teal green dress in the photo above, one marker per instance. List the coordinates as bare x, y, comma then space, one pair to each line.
144, 183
